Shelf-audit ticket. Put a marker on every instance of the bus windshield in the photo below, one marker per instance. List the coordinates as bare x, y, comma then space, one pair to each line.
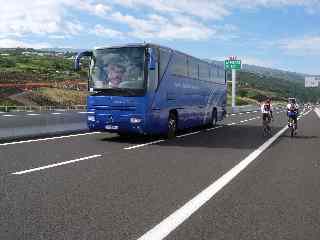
118, 69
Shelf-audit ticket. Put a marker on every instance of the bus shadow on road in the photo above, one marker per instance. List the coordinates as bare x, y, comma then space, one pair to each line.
130, 139
299, 137
238, 136
233, 137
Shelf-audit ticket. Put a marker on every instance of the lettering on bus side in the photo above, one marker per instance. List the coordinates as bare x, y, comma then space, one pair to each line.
185, 86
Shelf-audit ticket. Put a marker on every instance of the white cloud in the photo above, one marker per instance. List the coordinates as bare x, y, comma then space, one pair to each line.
206, 9
12, 43
21, 17
97, 9
58, 36
73, 28
212, 9
156, 26
164, 19
256, 61
307, 45
273, 3
101, 31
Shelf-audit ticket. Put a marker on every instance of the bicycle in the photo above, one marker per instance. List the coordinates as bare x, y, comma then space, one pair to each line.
292, 127
266, 125
291, 123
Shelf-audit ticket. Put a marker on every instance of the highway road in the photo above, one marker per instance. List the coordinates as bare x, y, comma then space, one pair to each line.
26, 124
227, 182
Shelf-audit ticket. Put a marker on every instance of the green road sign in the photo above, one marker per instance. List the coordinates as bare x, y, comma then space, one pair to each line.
232, 64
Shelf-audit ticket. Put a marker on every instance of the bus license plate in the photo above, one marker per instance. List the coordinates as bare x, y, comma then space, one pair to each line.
112, 127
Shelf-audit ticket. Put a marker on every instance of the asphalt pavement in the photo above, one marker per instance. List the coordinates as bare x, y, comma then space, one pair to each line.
15, 125
227, 182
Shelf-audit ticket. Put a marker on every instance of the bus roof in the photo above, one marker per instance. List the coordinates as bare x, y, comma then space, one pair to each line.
151, 45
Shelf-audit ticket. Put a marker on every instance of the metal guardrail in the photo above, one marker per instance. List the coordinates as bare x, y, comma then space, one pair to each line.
41, 108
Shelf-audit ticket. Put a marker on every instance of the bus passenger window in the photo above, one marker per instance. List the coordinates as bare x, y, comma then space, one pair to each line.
164, 60
193, 68
179, 65
204, 71
153, 75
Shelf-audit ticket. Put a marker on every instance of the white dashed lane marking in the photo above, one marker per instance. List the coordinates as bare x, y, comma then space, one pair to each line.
33, 114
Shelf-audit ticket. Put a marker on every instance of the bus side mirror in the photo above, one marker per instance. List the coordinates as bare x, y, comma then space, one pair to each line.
151, 59
77, 59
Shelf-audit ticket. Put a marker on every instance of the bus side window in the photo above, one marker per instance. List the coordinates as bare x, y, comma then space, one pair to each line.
179, 65
164, 58
193, 68
153, 75
204, 71
212, 76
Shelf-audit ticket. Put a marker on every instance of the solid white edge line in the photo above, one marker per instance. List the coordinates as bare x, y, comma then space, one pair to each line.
48, 139
165, 227
317, 111
56, 165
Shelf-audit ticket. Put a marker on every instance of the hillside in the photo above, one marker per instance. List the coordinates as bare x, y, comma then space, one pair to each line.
42, 77
256, 83
257, 86
39, 77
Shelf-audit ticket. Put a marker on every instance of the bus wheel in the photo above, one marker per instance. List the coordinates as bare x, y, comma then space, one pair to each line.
214, 118
172, 126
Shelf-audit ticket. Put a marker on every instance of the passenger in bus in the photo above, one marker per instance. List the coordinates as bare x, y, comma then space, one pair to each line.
115, 74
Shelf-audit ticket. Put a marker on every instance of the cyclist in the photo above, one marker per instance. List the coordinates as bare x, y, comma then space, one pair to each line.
293, 111
266, 110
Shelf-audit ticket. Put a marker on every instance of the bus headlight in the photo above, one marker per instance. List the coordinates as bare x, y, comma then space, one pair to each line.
91, 118
135, 120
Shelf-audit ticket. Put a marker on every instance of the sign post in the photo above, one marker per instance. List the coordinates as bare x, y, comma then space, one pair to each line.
233, 94
233, 64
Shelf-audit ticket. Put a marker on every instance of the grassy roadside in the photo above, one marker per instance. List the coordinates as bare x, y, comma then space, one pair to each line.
58, 97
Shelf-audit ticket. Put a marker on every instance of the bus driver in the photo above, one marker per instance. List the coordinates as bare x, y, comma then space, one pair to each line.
115, 74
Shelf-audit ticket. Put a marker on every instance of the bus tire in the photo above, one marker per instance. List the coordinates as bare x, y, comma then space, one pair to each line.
172, 125
214, 118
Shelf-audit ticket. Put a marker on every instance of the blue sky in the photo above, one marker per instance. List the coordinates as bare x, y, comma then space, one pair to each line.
282, 34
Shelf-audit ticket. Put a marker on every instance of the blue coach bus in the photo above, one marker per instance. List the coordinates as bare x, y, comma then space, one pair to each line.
151, 89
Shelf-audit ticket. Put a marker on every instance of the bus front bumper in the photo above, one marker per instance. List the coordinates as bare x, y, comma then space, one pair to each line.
124, 124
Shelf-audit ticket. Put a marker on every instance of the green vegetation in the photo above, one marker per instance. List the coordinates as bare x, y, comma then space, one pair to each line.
9, 102
58, 97
20, 65
258, 87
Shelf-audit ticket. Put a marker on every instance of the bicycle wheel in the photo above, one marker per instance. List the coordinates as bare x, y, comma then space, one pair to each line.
292, 131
